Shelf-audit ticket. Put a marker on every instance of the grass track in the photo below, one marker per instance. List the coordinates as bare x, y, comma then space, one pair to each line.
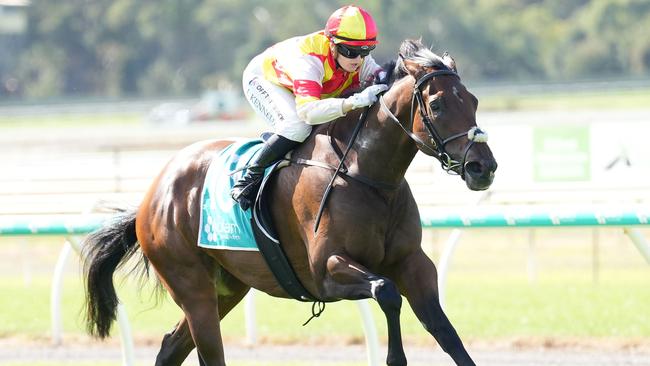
486, 308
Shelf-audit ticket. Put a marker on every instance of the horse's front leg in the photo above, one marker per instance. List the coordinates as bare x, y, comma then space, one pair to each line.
347, 279
417, 278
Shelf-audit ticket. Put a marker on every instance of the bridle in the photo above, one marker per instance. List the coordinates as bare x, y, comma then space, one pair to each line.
473, 135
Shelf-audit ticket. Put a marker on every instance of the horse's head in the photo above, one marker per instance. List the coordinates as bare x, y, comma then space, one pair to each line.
443, 115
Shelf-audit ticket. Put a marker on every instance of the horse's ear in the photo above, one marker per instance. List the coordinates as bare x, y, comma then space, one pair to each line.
449, 61
413, 68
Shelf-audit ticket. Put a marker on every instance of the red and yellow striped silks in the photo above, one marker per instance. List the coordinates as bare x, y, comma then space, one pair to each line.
305, 65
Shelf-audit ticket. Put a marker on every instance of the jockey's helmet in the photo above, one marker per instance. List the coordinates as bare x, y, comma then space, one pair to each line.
353, 26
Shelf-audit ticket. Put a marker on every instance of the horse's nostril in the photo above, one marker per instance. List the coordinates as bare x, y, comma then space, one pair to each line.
474, 168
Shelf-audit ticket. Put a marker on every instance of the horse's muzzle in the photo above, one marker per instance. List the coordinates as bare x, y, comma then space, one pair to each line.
479, 174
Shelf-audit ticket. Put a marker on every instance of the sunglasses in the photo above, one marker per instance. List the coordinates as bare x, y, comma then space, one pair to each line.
354, 52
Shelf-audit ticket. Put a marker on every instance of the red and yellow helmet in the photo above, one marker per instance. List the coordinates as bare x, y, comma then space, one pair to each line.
352, 26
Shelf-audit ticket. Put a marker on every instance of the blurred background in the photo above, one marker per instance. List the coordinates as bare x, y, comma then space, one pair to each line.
95, 97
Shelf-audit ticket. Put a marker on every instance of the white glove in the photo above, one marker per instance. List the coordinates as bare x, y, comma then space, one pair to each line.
366, 97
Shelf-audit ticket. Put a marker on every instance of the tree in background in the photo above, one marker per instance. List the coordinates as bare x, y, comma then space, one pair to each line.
178, 47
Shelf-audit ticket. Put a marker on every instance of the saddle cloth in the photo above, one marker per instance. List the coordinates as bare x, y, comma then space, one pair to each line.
223, 224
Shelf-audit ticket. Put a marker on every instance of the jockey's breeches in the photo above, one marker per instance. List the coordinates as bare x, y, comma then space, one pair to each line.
273, 103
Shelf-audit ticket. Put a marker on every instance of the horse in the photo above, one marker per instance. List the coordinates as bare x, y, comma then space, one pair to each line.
368, 242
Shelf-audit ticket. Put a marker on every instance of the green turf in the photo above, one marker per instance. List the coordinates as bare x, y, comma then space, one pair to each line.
484, 307
561, 305
489, 297
481, 308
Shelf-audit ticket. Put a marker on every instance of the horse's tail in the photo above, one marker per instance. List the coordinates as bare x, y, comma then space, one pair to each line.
103, 252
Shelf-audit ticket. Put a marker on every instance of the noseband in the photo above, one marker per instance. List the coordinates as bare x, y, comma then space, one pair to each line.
473, 135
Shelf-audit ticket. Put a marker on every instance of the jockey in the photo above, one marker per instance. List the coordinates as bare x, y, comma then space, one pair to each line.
297, 83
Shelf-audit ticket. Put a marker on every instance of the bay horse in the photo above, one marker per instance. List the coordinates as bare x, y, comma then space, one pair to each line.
366, 246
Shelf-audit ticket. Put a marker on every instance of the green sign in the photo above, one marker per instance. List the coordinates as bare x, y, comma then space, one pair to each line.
561, 153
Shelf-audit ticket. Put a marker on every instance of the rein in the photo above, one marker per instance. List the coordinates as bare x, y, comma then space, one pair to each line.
448, 164
328, 189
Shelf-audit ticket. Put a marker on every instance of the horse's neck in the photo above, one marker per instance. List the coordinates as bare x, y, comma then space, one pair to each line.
383, 151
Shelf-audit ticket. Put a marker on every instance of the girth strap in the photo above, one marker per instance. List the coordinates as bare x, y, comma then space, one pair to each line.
271, 249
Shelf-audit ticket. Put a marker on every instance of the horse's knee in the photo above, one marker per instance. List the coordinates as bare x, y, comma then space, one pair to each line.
386, 294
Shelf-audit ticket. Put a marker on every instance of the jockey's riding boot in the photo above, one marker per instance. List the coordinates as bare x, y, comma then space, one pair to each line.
245, 190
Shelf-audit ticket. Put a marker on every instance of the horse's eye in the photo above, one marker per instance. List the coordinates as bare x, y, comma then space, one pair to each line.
434, 105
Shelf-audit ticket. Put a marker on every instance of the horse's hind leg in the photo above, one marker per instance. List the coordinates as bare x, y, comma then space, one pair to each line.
189, 276
199, 303
177, 344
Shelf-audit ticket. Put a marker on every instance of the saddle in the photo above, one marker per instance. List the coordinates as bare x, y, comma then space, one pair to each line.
268, 243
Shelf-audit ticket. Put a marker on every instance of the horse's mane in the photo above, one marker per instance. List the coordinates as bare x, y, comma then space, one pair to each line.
412, 50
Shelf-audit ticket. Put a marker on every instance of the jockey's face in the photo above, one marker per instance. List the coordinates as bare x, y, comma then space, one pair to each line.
347, 64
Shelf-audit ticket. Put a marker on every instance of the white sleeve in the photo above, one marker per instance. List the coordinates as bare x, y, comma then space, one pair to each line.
321, 111
369, 70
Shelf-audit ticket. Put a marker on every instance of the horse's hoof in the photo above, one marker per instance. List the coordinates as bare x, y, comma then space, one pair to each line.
397, 363
396, 360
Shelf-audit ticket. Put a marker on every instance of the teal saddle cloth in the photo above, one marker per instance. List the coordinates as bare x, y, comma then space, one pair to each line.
224, 225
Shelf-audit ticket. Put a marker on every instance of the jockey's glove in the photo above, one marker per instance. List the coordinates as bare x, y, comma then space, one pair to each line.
325, 110
366, 97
